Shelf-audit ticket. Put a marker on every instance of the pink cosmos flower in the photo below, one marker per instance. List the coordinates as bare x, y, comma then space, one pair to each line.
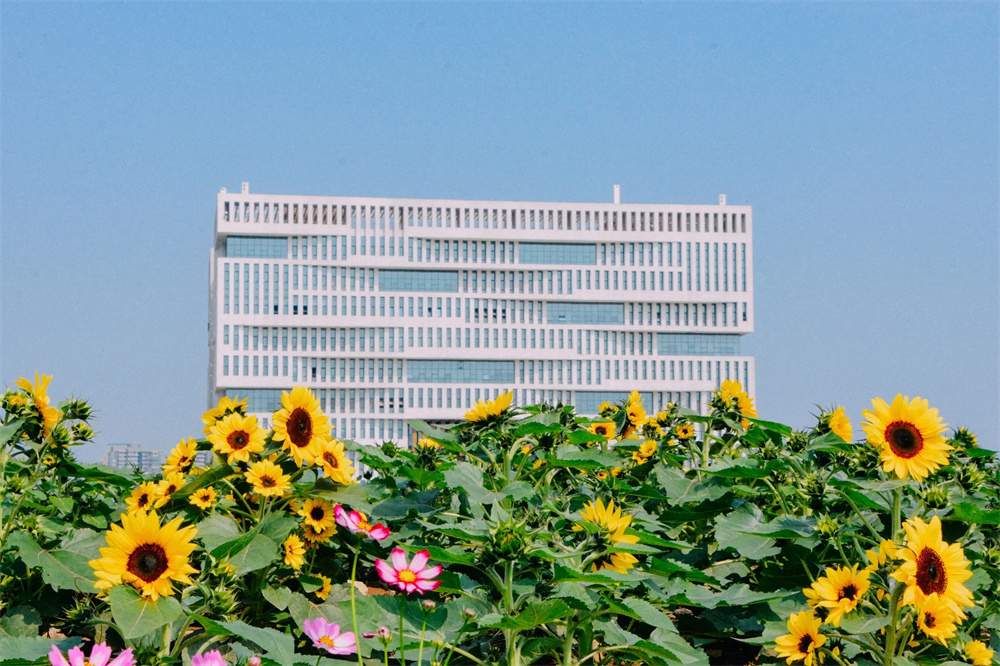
413, 577
99, 655
326, 636
213, 658
356, 522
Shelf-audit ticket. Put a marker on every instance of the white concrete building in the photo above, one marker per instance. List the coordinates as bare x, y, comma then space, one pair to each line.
399, 309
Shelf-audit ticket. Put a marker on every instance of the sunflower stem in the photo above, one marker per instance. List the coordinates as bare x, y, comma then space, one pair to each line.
354, 610
165, 640
890, 634
897, 499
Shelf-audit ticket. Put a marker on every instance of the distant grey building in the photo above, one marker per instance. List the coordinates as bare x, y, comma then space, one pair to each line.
124, 456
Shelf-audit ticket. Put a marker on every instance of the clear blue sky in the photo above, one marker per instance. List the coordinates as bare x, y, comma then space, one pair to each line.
864, 135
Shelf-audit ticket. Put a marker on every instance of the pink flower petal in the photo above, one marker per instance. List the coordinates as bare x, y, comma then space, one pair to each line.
340, 515
429, 572
56, 657
386, 572
419, 561
76, 657
379, 532
99, 655
124, 659
398, 560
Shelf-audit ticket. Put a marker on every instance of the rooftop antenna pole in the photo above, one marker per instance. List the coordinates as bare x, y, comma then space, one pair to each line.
618, 194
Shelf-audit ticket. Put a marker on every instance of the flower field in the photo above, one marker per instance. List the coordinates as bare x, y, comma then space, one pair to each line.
524, 535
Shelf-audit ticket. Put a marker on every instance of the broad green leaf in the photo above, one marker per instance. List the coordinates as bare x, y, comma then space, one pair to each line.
579, 437
535, 614
257, 554
856, 623
20, 621
278, 526
741, 530
789, 527
536, 428
397, 508
354, 495
430, 431
604, 576
445, 555
217, 472
667, 567
467, 477
137, 616
970, 513
682, 650
516, 491
101, 473
587, 459
576, 595
9, 430
279, 597
680, 489
217, 530
692, 513
744, 468
276, 645
62, 568
642, 610
21, 649
779, 428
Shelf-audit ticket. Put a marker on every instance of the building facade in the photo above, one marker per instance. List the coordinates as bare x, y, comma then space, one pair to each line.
399, 309
125, 456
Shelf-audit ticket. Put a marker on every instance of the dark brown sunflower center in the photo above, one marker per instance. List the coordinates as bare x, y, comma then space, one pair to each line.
170, 489
331, 460
142, 501
805, 644
849, 592
317, 513
931, 573
904, 439
602, 430
237, 440
148, 561
268, 482
929, 620
299, 427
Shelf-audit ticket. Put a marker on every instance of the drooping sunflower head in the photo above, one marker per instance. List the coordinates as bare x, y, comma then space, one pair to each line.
314, 536
837, 422
909, 436
336, 465
732, 397
978, 654
225, 407
145, 497
324, 591
301, 425
203, 498
181, 457
38, 391
268, 479
932, 566
237, 437
318, 514
635, 410
294, 551
802, 640
489, 409
839, 591
146, 555
937, 619
611, 524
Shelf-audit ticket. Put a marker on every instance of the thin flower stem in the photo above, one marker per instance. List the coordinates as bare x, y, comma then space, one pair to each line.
890, 634
354, 610
402, 640
455, 648
420, 650
897, 499
836, 658
878, 537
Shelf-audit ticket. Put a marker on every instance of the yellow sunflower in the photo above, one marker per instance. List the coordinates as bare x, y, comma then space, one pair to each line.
483, 410
267, 479
39, 392
612, 523
324, 591
978, 654
318, 536
648, 448
336, 465
877, 558
301, 425
295, 551
604, 429
638, 459
225, 407
937, 619
636, 412
839, 591
840, 424
803, 639
932, 566
170, 483
237, 436
145, 555
181, 457
145, 497
318, 514
684, 431
733, 390
203, 498
909, 434
427, 443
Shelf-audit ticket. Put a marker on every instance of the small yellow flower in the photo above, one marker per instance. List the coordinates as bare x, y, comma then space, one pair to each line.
538, 463
324, 591
295, 551
648, 448
225, 407
237, 436
267, 479
684, 431
181, 457
145, 497
909, 434
314, 536
427, 443
301, 425
978, 654
803, 639
604, 429
336, 465
484, 410
937, 619
638, 459
525, 450
839, 591
170, 483
877, 558
40, 396
318, 514
203, 498
840, 424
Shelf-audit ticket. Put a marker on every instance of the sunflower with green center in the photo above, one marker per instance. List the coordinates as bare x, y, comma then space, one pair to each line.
268, 479
484, 410
937, 619
225, 407
909, 436
146, 555
300, 424
932, 566
39, 393
803, 640
145, 497
317, 514
203, 498
236, 437
336, 465
294, 551
839, 591
611, 524
181, 457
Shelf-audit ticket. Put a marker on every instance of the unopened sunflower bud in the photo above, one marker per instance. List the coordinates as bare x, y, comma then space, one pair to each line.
82, 432
77, 410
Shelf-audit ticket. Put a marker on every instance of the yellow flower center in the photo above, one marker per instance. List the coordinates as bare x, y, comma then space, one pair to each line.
326, 640
407, 576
